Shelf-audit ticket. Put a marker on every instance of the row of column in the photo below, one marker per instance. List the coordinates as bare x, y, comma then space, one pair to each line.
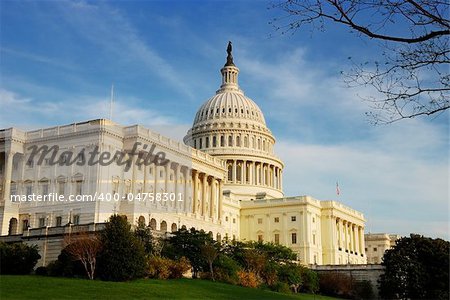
247, 141
255, 173
350, 236
207, 198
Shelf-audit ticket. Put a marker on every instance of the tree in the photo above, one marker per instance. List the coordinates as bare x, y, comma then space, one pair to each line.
291, 274
18, 258
416, 268
210, 253
412, 78
188, 244
122, 256
144, 234
85, 248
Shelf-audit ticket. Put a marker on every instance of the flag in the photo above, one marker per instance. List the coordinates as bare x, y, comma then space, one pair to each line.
338, 192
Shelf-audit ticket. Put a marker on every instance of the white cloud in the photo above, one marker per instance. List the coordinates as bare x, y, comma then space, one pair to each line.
383, 180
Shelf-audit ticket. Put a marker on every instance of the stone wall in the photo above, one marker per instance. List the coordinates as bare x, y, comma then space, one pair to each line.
370, 273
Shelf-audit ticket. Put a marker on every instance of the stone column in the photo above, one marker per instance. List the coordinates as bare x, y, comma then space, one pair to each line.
243, 169
252, 173
212, 198
204, 196
220, 199
9, 156
234, 179
177, 183
195, 194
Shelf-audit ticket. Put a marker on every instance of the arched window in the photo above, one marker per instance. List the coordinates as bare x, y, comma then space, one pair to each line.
230, 141
207, 142
230, 172
174, 227
200, 146
245, 141
222, 141
195, 143
163, 226
214, 141
153, 224
238, 141
141, 221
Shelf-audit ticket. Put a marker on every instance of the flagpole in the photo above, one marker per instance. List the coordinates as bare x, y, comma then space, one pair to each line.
111, 103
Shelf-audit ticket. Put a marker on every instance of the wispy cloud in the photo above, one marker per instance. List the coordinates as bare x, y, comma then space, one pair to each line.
105, 26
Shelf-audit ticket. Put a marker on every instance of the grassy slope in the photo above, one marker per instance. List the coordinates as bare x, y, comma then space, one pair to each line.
36, 287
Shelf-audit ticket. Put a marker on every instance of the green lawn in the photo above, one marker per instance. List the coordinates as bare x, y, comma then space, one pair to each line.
37, 287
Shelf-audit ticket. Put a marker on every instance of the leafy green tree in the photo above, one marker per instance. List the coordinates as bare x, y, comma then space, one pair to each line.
210, 253
144, 234
188, 243
123, 256
416, 267
292, 275
18, 258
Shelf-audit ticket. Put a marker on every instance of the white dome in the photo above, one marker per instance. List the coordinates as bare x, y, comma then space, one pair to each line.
229, 105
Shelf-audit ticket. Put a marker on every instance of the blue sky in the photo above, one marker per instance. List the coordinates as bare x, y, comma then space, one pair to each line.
59, 59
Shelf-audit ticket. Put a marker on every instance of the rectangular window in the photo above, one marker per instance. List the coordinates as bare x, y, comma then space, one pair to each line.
277, 220
277, 238
29, 190
45, 189
58, 221
61, 188
294, 238
260, 221
260, 238
314, 239
293, 218
78, 187
76, 219
41, 222
375, 249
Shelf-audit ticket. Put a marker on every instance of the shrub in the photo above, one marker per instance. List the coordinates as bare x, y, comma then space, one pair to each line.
159, 267
248, 279
65, 266
363, 290
270, 273
165, 268
310, 281
225, 269
18, 258
292, 275
335, 284
179, 267
281, 287
41, 271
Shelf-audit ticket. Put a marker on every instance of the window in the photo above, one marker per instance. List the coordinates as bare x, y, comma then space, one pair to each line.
375, 249
294, 238
245, 141
200, 145
314, 239
45, 188
314, 220
76, 219
260, 221
58, 221
277, 238
207, 142
365, 249
78, 187
293, 218
195, 144
222, 141
41, 222
13, 190
230, 141
214, 141
238, 141
234, 221
277, 220
61, 188
260, 238
29, 190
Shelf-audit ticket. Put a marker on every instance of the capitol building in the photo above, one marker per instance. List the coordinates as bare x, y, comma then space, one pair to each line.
224, 178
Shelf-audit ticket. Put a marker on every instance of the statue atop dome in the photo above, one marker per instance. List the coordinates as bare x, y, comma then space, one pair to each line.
229, 56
